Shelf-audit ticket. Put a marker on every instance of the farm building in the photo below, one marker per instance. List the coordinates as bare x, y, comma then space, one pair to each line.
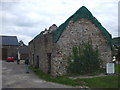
23, 51
49, 50
8, 46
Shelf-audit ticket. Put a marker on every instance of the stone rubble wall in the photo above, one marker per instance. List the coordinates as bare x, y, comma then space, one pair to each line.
40, 47
31, 52
76, 33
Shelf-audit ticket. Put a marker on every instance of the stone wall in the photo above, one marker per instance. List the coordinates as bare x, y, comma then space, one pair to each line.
52, 57
76, 33
40, 47
31, 52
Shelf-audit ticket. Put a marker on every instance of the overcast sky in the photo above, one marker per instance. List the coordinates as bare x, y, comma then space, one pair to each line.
27, 18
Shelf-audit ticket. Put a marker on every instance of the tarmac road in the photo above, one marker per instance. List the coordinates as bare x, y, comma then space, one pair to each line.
14, 76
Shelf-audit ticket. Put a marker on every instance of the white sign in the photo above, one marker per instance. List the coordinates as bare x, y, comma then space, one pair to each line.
110, 68
18, 55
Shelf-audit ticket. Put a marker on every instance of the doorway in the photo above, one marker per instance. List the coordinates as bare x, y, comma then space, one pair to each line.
33, 60
4, 53
37, 62
49, 62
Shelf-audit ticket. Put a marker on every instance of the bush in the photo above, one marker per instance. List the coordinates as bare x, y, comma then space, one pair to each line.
84, 59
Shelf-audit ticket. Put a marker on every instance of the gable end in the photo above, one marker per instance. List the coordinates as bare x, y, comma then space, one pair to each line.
83, 12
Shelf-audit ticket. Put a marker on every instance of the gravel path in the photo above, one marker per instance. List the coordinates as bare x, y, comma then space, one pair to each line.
83, 76
14, 76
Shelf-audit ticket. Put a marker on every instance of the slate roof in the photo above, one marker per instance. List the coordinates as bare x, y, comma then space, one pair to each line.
23, 49
8, 40
116, 41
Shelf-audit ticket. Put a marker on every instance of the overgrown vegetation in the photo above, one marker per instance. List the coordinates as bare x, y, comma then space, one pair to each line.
84, 59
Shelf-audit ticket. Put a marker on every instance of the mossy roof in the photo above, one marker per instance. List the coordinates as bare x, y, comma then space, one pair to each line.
83, 12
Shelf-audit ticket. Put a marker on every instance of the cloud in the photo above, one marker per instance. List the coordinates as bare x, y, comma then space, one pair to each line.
27, 18
119, 19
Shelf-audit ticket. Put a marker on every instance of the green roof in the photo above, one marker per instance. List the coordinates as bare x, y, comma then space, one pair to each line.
83, 12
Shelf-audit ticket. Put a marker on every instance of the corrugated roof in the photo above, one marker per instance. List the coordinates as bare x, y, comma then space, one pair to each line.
8, 40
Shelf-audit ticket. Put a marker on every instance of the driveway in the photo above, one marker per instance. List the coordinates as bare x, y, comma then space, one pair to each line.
0, 74
14, 76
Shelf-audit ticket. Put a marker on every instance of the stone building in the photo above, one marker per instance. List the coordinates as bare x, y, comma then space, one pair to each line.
8, 47
51, 48
40, 50
23, 51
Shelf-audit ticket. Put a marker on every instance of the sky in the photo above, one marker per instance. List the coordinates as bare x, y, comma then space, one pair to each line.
27, 18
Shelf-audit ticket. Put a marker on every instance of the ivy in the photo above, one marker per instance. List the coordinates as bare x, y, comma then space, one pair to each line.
84, 59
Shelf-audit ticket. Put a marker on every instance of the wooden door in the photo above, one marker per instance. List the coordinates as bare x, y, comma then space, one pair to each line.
4, 53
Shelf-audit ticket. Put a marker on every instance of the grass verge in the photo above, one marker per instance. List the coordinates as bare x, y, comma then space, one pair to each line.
109, 81
102, 82
117, 68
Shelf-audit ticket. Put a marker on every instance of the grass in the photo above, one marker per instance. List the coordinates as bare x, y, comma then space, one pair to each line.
102, 82
117, 68
109, 81
61, 79
89, 74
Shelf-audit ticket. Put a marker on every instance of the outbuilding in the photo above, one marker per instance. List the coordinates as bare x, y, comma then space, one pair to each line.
8, 46
49, 50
